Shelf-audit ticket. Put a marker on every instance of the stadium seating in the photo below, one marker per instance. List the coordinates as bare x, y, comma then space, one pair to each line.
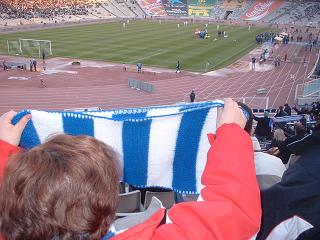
129, 203
303, 12
47, 11
167, 198
221, 10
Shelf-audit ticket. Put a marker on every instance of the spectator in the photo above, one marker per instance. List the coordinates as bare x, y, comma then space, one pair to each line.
287, 109
291, 208
315, 111
303, 110
43, 9
299, 133
278, 140
66, 188
263, 128
269, 169
280, 112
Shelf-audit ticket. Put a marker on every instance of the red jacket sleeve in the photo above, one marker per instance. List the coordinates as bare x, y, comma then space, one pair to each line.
230, 206
6, 150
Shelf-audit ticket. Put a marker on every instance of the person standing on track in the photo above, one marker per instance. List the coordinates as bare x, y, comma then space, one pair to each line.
34, 62
253, 61
192, 96
31, 65
43, 53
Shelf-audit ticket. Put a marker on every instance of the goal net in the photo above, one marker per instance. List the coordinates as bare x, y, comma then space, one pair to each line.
13, 47
35, 47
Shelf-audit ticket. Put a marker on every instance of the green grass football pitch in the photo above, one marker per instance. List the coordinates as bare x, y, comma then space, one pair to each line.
148, 42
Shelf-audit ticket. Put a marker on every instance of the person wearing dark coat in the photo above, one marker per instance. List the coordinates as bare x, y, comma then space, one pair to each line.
303, 110
291, 208
192, 96
34, 64
281, 112
285, 152
263, 129
287, 109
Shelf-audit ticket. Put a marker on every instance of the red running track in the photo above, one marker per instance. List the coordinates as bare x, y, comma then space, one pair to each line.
101, 84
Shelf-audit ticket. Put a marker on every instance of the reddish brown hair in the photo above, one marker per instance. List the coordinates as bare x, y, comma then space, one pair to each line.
66, 188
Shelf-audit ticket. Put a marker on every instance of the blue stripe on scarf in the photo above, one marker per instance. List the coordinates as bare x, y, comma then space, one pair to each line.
184, 165
77, 126
29, 132
135, 141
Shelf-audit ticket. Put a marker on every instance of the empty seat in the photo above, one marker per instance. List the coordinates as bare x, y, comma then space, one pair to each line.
124, 187
167, 198
129, 203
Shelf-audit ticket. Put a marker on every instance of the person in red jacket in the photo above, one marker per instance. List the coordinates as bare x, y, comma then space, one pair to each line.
228, 207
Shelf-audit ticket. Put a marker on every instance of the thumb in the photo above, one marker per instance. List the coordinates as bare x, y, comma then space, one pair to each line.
23, 122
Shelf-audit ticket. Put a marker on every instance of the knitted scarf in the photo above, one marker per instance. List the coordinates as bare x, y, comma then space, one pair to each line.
157, 146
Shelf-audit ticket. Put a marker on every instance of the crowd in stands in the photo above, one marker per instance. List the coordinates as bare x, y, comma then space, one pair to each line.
67, 188
289, 12
43, 8
281, 134
304, 12
220, 9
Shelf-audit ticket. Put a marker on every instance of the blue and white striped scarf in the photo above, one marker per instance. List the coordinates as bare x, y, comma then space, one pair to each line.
158, 146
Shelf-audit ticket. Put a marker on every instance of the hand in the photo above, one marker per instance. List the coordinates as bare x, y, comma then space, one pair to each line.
231, 113
12, 133
273, 151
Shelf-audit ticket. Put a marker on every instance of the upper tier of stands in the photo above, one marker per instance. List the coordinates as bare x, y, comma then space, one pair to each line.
56, 11
226, 10
46, 11
296, 12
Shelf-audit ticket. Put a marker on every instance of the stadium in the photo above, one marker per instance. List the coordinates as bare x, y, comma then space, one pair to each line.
147, 77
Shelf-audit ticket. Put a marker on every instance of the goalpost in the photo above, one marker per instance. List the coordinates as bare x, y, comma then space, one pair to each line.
13, 47
34, 47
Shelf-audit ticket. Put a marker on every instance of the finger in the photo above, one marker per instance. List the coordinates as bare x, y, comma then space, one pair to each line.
7, 117
23, 122
219, 114
227, 101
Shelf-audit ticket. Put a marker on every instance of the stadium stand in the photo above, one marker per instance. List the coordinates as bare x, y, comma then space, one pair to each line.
305, 119
49, 11
43, 12
231, 9
301, 12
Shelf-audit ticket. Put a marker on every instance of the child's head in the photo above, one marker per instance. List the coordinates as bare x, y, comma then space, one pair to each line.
66, 188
